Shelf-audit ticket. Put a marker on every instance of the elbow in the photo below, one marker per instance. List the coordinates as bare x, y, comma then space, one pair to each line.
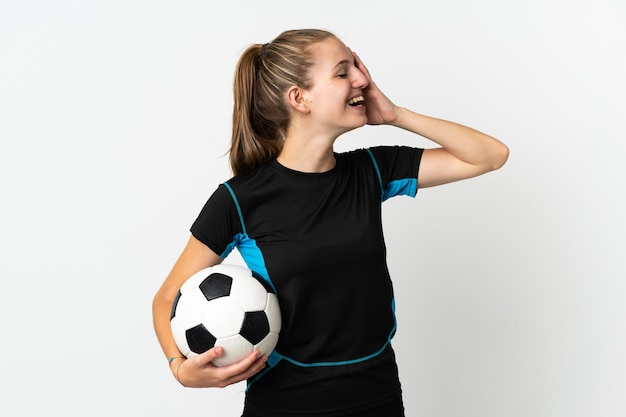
500, 156
157, 301
162, 299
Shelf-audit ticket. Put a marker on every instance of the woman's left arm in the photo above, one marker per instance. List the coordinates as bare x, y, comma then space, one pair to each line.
463, 153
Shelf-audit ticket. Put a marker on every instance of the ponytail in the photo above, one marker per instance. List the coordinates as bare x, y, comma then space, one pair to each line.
251, 145
260, 113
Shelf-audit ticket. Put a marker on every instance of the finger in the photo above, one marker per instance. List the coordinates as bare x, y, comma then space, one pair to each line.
241, 370
361, 66
358, 62
210, 355
243, 365
257, 366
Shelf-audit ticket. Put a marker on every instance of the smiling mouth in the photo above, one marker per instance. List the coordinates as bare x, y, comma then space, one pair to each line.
356, 101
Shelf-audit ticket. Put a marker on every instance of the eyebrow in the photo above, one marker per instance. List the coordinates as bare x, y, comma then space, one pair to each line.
343, 62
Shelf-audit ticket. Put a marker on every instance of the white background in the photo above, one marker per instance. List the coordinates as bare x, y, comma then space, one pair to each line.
114, 123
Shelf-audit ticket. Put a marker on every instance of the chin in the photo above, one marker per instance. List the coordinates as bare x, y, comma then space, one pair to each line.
363, 122
354, 127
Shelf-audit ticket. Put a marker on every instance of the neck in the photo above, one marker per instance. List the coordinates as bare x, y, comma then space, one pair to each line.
307, 147
306, 157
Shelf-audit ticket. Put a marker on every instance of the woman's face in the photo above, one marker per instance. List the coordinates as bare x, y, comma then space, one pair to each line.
335, 97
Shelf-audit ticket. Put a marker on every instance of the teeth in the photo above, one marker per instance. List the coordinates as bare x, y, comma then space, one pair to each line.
356, 100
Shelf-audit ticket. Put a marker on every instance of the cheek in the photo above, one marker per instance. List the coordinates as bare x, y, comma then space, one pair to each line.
327, 103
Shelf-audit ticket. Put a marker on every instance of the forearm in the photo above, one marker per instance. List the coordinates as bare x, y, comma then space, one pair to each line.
194, 257
161, 310
464, 143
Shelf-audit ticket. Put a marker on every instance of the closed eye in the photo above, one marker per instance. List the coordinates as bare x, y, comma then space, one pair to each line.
342, 76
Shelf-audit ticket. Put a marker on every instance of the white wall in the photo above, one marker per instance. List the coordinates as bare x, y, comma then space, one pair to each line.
114, 119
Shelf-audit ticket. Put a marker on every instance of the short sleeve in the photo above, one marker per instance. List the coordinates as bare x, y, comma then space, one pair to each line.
397, 168
218, 223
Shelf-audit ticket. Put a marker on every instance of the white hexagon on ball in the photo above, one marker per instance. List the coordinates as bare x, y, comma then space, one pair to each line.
249, 293
223, 317
235, 348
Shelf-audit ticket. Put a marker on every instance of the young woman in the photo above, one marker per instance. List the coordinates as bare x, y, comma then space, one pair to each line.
308, 220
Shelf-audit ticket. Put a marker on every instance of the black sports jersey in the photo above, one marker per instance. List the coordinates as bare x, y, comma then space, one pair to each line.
317, 240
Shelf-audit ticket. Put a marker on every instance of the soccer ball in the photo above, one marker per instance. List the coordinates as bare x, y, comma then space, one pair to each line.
227, 306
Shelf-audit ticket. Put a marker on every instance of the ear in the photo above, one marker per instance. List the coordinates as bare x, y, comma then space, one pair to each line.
296, 99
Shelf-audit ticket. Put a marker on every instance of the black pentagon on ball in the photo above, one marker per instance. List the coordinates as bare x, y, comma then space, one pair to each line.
255, 326
199, 339
215, 286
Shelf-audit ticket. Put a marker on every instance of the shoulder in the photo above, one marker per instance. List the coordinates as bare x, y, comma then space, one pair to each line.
252, 178
380, 151
356, 156
382, 155
384, 152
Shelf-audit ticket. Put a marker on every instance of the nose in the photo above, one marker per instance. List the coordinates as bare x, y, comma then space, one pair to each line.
359, 80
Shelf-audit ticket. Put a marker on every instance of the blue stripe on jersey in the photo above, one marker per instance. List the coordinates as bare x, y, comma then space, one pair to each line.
276, 357
232, 194
247, 247
406, 186
380, 177
338, 363
251, 254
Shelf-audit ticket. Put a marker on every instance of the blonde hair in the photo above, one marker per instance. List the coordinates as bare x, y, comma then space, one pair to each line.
261, 114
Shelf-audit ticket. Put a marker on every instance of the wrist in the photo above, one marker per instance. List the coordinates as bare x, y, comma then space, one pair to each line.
173, 358
398, 120
175, 363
